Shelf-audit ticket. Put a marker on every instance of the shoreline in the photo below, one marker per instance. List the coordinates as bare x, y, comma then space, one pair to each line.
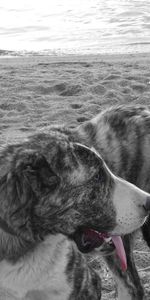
72, 58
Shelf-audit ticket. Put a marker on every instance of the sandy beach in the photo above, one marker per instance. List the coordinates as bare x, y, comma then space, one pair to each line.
39, 91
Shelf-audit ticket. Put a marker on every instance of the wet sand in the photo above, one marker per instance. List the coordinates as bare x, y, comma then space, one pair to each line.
38, 91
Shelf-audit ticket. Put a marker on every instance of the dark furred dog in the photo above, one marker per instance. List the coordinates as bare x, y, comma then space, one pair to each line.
57, 192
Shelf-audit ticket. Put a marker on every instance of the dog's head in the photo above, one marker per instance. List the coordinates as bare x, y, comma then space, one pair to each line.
51, 185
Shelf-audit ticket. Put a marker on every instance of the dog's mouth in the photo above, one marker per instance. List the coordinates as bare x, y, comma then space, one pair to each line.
89, 239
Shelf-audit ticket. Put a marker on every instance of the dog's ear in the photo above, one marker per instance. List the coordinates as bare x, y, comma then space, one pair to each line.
35, 172
29, 179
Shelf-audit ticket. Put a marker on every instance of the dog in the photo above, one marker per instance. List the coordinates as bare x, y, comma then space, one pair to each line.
122, 136
65, 192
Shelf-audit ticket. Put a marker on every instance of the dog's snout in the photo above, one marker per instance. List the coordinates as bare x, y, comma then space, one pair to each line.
147, 204
132, 206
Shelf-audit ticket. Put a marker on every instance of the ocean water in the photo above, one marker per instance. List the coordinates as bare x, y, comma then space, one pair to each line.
75, 26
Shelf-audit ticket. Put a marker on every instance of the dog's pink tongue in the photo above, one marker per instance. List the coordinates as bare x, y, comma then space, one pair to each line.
120, 251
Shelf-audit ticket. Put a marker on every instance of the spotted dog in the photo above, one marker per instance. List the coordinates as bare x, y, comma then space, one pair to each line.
62, 195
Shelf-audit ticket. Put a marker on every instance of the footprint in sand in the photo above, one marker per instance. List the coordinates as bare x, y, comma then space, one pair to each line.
62, 89
72, 90
82, 119
76, 105
98, 89
138, 87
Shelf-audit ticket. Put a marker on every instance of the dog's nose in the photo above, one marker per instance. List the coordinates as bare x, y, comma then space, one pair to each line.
147, 205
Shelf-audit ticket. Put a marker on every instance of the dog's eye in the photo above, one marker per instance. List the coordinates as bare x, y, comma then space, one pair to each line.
102, 176
98, 177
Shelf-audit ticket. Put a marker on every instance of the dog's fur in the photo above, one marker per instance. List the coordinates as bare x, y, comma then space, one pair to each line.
53, 185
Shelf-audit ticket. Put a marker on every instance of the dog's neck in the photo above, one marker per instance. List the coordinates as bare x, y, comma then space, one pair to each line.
4, 226
39, 272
